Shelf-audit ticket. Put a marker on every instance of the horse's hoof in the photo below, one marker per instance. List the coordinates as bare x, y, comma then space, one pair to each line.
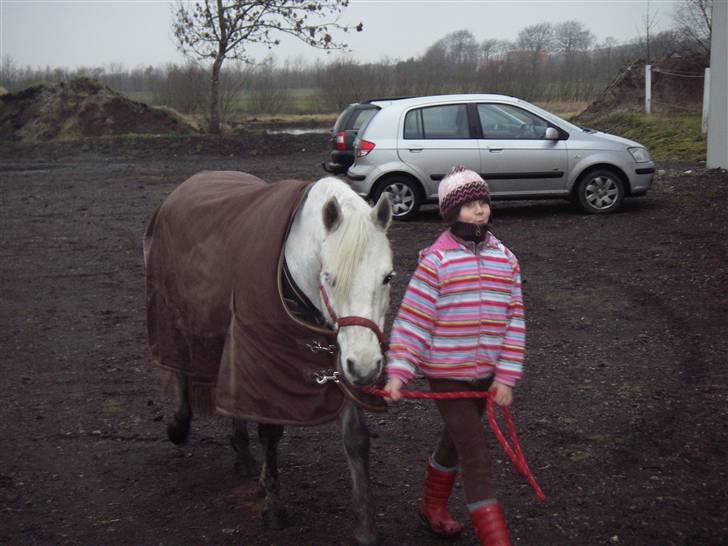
178, 431
246, 469
275, 519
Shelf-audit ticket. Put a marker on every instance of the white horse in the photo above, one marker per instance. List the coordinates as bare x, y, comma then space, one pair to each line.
339, 256
338, 246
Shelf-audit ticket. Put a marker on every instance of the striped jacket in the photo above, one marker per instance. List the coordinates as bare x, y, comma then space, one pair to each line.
462, 314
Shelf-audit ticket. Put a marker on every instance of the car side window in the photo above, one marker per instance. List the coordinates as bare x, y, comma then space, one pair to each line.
413, 124
506, 122
437, 122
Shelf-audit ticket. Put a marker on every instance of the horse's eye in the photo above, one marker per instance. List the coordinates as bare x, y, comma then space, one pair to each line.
388, 278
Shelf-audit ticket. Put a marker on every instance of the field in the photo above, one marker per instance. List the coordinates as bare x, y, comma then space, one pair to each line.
297, 102
622, 413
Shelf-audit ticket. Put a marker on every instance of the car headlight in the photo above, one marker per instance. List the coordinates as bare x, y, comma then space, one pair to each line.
640, 155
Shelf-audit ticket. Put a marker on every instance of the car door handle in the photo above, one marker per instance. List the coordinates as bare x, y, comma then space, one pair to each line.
495, 149
415, 150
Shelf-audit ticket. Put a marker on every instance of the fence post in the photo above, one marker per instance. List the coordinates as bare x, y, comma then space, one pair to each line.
706, 100
648, 88
717, 156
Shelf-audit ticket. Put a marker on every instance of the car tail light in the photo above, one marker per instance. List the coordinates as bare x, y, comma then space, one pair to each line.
365, 146
340, 141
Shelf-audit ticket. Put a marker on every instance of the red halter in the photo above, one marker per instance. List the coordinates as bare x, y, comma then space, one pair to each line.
351, 320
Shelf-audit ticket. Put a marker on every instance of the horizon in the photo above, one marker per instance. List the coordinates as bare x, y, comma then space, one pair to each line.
43, 34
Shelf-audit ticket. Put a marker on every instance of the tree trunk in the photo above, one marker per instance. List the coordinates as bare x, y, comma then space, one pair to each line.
214, 122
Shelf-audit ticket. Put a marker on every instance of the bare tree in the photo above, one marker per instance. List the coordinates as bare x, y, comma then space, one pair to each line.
345, 81
571, 36
493, 54
607, 48
537, 41
265, 93
492, 49
461, 49
693, 20
9, 74
450, 63
433, 71
183, 88
571, 39
339, 83
648, 24
536, 38
222, 29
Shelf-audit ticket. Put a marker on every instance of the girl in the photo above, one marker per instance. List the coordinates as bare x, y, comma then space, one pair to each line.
461, 323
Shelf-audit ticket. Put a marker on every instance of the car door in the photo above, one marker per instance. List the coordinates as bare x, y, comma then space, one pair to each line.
434, 140
515, 157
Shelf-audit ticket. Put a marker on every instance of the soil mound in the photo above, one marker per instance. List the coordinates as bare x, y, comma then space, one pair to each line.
677, 87
80, 108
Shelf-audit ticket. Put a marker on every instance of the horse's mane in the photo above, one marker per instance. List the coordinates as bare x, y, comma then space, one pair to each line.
351, 238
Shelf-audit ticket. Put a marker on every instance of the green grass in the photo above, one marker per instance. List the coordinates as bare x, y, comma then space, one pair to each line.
293, 101
667, 137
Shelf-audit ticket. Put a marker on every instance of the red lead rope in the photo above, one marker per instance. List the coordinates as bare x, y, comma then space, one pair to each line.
512, 450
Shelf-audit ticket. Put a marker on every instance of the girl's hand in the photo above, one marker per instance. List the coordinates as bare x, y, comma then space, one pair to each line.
503, 394
392, 388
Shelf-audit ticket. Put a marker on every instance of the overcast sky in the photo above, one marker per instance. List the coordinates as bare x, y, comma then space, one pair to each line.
70, 34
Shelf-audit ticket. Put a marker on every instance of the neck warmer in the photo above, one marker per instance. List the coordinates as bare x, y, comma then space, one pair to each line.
470, 232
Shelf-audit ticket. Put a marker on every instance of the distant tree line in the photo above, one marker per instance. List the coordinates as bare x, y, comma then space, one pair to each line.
561, 62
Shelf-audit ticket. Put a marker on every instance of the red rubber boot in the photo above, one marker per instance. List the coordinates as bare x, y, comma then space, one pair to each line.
433, 505
490, 525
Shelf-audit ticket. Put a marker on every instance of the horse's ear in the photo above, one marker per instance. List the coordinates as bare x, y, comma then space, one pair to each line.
331, 214
382, 211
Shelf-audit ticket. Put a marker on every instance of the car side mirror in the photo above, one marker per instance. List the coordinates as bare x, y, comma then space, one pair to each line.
551, 134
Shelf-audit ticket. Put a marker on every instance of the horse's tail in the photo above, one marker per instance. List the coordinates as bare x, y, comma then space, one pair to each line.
149, 235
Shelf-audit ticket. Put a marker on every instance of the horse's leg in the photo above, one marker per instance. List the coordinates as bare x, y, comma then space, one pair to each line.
274, 515
245, 463
356, 444
179, 429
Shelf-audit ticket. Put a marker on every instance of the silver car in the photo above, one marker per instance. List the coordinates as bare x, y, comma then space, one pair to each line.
522, 151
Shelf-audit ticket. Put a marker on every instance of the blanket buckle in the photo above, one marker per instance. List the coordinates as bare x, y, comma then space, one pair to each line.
316, 347
322, 378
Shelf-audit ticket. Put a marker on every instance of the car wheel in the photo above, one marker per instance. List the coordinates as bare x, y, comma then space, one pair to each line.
600, 191
405, 195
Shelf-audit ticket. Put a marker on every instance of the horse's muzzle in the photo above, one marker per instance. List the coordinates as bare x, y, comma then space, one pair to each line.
362, 378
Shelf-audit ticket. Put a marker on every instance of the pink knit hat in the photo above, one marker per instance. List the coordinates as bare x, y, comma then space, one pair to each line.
460, 186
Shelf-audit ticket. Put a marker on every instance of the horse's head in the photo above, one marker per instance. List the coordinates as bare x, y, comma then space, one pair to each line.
356, 267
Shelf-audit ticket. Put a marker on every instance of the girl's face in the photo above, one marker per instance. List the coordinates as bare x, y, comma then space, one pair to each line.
475, 212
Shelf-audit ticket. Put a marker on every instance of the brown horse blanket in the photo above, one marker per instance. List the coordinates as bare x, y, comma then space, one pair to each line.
215, 311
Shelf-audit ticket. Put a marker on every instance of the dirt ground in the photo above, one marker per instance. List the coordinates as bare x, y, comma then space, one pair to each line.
622, 414
80, 108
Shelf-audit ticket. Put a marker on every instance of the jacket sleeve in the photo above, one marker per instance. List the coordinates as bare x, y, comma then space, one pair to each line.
509, 366
414, 325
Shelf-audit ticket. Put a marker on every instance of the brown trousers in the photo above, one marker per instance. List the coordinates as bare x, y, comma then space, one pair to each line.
463, 439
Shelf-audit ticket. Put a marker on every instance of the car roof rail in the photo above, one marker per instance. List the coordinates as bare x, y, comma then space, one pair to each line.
388, 98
